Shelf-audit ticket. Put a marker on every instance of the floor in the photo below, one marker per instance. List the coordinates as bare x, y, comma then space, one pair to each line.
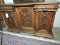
15, 39
55, 30
56, 33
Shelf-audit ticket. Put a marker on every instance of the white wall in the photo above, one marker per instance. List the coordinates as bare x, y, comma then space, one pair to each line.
57, 16
50, 0
57, 19
8, 1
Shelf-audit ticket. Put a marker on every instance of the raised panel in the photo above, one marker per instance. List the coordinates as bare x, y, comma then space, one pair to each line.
26, 17
45, 24
49, 23
45, 20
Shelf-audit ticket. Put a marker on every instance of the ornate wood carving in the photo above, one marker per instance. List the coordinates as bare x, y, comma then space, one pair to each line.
26, 18
44, 18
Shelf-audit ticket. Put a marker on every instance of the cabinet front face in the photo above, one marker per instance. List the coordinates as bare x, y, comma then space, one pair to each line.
9, 19
45, 21
26, 17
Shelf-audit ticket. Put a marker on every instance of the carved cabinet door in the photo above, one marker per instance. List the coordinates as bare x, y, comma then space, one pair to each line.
45, 21
26, 17
9, 17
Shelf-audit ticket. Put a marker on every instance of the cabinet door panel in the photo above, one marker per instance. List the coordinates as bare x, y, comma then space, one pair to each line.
50, 20
26, 17
45, 21
10, 21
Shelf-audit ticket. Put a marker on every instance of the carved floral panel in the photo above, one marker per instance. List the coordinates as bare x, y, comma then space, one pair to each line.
26, 19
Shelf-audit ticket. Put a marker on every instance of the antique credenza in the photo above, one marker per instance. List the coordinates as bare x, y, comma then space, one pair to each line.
38, 17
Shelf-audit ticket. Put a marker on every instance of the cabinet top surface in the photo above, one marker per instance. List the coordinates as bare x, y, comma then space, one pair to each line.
31, 3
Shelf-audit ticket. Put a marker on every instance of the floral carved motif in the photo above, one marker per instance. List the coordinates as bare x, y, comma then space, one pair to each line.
26, 18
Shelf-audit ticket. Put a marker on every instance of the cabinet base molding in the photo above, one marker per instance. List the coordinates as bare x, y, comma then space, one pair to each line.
15, 30
43, 33
29, 31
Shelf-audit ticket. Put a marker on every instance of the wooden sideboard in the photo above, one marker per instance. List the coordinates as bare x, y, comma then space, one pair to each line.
36, 17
